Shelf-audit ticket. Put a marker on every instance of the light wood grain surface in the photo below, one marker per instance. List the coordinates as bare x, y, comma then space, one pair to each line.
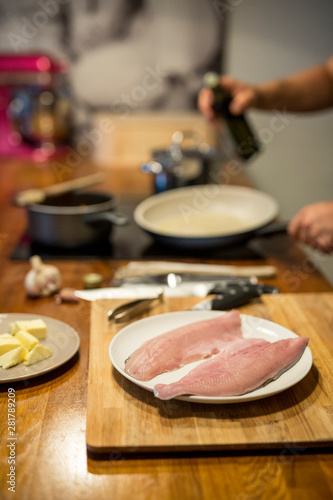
124, 417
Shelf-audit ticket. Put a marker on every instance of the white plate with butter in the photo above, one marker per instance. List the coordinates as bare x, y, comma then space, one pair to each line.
61, 338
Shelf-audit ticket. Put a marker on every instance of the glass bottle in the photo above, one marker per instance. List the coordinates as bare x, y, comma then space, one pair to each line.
239, 128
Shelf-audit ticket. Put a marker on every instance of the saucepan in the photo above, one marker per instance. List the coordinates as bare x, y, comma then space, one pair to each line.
74, 219
207, 216
180, 166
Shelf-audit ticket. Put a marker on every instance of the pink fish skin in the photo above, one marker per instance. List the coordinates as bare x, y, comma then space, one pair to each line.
185, 344
239, 372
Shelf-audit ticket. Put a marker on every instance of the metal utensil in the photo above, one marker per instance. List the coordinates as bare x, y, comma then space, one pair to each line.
130, 310
173, 280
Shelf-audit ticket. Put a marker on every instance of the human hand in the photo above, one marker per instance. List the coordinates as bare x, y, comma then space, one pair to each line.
313, 225
244, 96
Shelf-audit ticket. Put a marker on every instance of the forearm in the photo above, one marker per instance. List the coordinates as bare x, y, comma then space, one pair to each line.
309, 90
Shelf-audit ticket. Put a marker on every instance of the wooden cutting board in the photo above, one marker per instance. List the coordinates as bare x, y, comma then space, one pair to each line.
122, 417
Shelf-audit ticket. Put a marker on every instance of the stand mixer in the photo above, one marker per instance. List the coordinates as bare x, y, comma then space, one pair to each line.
35, 106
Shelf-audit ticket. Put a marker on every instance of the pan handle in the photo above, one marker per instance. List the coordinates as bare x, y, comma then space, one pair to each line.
280, 227
116, 218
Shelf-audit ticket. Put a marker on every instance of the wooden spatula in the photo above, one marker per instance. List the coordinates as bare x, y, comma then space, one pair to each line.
38, 195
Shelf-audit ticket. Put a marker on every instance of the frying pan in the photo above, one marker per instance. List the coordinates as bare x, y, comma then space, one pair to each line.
207, 216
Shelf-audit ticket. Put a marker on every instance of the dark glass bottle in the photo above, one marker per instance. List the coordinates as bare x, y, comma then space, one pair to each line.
246, 144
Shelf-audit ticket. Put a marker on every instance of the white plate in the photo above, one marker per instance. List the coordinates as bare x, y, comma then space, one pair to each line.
61, 338
132, 336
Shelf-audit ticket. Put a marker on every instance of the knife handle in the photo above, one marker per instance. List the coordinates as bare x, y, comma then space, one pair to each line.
235, 296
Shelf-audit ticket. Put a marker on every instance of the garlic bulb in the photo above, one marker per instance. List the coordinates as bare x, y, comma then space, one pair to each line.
43, 279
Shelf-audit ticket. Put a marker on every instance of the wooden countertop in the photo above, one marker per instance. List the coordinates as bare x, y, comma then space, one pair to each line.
51, 457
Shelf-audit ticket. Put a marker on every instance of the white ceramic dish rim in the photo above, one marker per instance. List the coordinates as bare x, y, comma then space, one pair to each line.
269, 208
133, 335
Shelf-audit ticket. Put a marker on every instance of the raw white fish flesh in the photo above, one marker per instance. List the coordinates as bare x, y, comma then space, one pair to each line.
233, 373
178, 347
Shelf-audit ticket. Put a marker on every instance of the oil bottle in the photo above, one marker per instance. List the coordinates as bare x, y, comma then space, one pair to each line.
245, 142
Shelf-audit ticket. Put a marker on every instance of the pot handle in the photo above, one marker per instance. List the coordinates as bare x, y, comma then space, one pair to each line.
116, 218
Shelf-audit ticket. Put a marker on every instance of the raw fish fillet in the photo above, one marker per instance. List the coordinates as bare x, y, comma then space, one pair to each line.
235, 373
185, 344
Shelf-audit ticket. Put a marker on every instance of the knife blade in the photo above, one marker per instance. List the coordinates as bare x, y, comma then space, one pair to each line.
175, 279
235, 295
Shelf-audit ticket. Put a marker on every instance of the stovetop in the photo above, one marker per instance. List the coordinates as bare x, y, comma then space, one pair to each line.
130, 242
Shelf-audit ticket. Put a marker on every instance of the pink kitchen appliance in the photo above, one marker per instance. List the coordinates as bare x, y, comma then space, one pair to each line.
35, 106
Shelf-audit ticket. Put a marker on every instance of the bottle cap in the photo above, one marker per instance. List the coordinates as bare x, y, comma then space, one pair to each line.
211, 79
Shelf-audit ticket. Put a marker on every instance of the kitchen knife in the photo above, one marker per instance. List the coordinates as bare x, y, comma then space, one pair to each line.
232, 296
175, 279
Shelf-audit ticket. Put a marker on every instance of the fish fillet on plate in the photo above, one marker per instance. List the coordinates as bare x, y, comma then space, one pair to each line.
238, 369
180, 346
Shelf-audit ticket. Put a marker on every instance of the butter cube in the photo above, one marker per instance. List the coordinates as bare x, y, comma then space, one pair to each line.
35, 327
5, 336
13, 328
29, 341
8, 344
38, 353
13, 357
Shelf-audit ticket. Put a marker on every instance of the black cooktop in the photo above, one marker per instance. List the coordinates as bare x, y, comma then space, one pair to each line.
130, 242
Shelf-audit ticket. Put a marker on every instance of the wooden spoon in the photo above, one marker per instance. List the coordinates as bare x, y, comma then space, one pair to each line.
30, 196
